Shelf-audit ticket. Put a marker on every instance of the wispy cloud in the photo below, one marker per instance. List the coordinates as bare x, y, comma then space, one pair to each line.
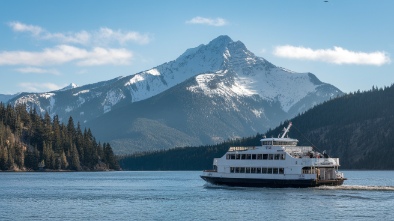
103, 36
64, 53
82, 37
36, 70
337, 55
122, 37
207, 21
38, 87
20, 27
100, 56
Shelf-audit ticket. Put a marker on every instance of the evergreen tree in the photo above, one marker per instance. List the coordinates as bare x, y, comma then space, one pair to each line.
110, 158
75, 163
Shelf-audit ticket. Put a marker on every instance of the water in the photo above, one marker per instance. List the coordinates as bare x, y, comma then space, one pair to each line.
366, 195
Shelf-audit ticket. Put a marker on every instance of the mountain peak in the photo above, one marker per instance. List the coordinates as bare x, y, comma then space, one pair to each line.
222, 40
70, 86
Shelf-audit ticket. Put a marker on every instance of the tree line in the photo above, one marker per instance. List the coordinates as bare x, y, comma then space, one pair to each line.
30, 142
356, 127
183, 158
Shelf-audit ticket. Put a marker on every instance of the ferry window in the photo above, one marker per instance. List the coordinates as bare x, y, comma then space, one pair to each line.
269, 170
248, 156
247, 169
242, 170
281, 170
283, 156
252, 170
277, 156
270, 156
243, 156
237, 156
265, 156
232, 170
228, 156
264, 170
258, 170
275, 170
259, 156
253, 156
237, 169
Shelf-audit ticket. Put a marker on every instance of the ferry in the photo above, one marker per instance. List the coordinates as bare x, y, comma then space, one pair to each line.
278, 162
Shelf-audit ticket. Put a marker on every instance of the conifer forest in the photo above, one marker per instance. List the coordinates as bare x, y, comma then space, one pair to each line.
30, 142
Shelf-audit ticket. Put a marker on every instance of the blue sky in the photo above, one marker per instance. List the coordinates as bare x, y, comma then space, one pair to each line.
46, 45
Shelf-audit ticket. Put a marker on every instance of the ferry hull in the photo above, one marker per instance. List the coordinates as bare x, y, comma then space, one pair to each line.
274, 183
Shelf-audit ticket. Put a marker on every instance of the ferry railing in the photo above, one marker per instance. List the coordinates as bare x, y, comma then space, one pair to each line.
298, 149
328, 161
322, 162
233, 149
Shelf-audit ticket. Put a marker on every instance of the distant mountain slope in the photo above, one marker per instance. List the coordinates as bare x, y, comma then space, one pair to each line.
4, 98
179, 117
357, 128
221, 90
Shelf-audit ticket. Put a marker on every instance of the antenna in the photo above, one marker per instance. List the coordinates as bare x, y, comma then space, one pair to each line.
286, 130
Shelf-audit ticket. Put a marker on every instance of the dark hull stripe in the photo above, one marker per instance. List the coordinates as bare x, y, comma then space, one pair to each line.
269, 182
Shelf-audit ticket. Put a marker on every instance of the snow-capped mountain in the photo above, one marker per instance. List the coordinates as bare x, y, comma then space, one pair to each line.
222, 78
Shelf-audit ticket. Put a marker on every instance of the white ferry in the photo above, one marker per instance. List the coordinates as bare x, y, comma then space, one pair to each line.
279, 162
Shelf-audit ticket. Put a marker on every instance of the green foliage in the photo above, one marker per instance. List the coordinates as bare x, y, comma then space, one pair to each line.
27, 139
183, 158
357, 128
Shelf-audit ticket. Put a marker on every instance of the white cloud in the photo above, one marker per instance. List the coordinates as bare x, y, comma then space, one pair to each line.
20, 27
38, 87
337, 55
100, 56
108, 35
103, 36
64, 53
36, 70
207, 21
82, 37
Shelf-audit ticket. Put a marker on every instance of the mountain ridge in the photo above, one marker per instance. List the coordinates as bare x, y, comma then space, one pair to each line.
223, 74
356, 128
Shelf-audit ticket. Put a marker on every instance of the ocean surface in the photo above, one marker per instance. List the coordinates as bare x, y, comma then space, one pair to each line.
366, 195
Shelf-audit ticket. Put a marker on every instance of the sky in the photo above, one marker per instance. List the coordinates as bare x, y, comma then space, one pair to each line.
46, 45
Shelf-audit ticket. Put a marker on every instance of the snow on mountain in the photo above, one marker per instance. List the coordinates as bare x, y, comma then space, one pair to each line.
251, 75
112, 98
222, 67
70, 86
194, 61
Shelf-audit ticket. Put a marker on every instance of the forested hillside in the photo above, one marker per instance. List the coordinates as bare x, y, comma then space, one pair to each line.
31, 142
182, 158
358, 128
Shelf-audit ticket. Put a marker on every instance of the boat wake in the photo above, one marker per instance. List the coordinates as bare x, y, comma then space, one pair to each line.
357, 187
